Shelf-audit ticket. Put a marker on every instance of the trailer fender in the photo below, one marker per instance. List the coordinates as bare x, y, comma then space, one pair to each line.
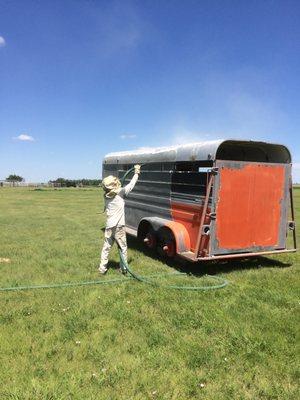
181, 235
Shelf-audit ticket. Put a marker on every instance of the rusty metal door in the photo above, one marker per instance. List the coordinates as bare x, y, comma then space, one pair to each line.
250, 200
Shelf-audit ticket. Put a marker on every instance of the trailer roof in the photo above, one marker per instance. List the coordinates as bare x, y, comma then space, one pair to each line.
231, 149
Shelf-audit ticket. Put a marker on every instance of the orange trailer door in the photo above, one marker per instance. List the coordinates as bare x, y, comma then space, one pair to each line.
250, 201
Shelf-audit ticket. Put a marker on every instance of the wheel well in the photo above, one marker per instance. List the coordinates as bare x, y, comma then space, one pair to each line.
166, 241
179, 231
166, 229
169, 231
143, 228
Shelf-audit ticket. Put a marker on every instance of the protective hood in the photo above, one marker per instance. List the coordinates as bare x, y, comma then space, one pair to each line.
111, 186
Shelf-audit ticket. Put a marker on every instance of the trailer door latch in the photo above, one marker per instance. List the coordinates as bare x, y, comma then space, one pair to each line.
212, 215
205, 230
214, 170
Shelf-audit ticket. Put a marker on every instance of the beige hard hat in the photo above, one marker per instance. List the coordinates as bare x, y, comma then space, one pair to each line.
111, 185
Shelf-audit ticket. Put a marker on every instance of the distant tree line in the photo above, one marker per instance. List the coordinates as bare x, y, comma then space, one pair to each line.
62, 182
14, 178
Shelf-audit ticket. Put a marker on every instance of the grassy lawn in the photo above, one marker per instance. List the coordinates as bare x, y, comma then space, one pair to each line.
130, 340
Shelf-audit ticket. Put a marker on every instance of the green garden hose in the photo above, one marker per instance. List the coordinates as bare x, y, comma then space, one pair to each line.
60, 285
133, 275
144, 279
73, 284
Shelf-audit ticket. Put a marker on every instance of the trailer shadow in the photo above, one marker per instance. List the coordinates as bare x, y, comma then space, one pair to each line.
209, 267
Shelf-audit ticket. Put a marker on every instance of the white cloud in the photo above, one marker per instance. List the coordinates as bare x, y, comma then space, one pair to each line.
128, 136
24, 138
2, 41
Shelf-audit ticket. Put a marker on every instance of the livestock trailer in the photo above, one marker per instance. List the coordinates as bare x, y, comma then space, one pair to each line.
210, 200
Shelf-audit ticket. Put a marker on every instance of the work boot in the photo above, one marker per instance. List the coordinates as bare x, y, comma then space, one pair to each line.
102, 270
123, 270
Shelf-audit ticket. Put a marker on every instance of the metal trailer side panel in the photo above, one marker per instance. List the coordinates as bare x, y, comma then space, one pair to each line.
168, 195
149, 198
188, 215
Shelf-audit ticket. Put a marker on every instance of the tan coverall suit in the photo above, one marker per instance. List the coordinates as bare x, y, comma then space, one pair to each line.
115, 224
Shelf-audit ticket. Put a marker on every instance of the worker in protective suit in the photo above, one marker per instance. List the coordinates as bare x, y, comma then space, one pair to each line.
115, 225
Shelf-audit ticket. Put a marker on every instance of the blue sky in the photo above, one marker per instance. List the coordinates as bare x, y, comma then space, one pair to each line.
79, 79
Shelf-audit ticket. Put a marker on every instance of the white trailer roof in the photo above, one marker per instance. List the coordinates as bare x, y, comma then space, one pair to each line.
201, 151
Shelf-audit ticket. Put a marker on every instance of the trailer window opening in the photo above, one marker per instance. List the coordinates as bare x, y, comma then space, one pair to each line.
192, 166
205, 170
253, 151
150, 167
190, 178
111, 167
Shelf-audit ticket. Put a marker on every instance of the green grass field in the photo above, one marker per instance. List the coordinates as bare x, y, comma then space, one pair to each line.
130, 340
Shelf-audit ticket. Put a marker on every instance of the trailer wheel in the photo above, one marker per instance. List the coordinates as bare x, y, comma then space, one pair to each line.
166, 244
147, 235
150, 239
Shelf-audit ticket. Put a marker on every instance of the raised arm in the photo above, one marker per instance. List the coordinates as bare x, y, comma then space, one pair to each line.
128, 188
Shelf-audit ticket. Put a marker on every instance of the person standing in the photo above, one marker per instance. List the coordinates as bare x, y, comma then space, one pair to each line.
114, 196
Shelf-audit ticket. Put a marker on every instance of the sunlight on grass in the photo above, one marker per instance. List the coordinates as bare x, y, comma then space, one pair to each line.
133, 341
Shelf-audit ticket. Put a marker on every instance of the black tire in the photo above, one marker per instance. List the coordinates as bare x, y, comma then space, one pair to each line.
166, 244
147, 235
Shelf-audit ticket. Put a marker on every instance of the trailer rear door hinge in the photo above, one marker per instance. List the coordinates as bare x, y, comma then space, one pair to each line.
291, 225
212, 215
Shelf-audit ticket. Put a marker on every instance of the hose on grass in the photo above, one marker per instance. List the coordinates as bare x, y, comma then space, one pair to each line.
132, 276
74, 284
60, 285
222, 282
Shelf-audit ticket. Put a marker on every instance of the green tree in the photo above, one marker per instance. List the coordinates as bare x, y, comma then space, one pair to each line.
15, 178
75, 182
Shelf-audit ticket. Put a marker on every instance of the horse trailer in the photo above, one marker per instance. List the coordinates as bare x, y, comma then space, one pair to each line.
210, 200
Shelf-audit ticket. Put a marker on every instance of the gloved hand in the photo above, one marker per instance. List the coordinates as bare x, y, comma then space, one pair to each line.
137, 169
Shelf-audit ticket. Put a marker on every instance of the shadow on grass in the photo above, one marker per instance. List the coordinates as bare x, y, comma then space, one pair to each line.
207, 267
114, 265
